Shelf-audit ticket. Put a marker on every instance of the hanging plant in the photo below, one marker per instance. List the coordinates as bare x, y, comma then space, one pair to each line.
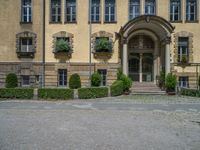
103, 45
62, 46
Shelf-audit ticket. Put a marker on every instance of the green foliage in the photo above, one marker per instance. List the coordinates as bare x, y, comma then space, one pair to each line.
16, 93
96, 79
119, 73
117, 88
170, 82
62, 46
95, 92
62, 94
74, 81
11, 80
199, 82
103, 45
190, 92
184, 59
162, 79
127, 82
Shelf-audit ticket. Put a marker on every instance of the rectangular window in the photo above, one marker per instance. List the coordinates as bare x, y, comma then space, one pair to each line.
25, 80
26, 10
191, 10
70, 11
150, 7
184, 82
183, 49
26, 44
55, 10
95, 11
62, 77
110, 11
175, 10
134, 9
103, 73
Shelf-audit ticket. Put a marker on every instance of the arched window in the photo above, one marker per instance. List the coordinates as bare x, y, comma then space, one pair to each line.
150, 7
134, 9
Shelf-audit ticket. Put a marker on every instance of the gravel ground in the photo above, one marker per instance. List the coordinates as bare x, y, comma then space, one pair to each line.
103, 124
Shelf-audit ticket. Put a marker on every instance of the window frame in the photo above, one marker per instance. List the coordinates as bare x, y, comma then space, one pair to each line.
71, 6
56, 15
131, 7
22, 12
109, 14
155, 7
172, 13
22, 81
183, 81
195, 13
103, 76
95, 14
180, 49
28, 46
63, 79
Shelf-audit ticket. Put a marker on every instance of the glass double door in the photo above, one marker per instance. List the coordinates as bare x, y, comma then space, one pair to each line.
141, 67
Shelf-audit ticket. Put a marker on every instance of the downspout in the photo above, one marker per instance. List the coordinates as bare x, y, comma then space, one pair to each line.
43, 52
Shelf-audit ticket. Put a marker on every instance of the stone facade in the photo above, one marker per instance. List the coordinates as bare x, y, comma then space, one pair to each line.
11, 28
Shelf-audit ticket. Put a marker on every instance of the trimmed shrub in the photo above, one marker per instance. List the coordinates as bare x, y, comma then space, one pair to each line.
62, 94
74, 81
170, 82
95, 92
62, 46
190, 92
127, 82
11, 80
96, 79
119, 73
117, 88
16, 93
199, 82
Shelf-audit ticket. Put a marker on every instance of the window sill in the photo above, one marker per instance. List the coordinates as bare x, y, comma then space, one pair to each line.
72, 22
110, 22
176, 21
194, 21
55, 22
95, 22
26, 22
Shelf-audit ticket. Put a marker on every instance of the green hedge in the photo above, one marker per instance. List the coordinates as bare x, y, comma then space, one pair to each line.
16, 93
62, 94
117, 88
190, 92
94, 92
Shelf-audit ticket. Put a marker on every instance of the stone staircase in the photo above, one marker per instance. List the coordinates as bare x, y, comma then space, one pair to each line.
146, 88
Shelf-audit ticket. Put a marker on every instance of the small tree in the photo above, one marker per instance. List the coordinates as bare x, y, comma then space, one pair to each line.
96, 79
127, 82
170, 82
11, 80
74, 81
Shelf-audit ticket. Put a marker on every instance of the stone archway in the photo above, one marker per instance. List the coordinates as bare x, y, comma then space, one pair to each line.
159, 30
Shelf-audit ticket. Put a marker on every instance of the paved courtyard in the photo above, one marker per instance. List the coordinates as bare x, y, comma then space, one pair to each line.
122, 123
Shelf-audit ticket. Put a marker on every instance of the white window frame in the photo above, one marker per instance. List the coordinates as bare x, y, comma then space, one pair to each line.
28, 47
109, 14
180, 50
57, 14
173, 5
150, 5
184, 81
133, 5
64, 75
189, 4
28, 7
71, 6
94, 15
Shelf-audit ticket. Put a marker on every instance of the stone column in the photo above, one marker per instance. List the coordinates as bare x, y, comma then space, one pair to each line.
155, 61
167, 56
125, 57
140, 71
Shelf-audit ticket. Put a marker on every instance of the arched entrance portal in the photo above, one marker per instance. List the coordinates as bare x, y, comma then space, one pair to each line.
145, 47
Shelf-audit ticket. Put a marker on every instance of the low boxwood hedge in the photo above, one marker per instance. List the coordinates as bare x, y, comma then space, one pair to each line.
53, 93
93, 92
190, 92
117, 88
16, 93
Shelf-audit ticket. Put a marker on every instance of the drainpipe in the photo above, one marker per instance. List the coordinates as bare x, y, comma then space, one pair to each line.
43, 52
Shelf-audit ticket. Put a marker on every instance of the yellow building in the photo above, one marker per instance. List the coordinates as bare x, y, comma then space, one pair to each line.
45, 41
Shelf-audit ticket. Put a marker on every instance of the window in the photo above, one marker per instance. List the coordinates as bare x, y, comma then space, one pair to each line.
134, 9
26, 11
103, 73
63, 38
55, 10
26, 44
191, 10
62, 77
175, 10
70, 10
183, 49
183, 82
25, 80
95, 11
110, 11
150, 8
